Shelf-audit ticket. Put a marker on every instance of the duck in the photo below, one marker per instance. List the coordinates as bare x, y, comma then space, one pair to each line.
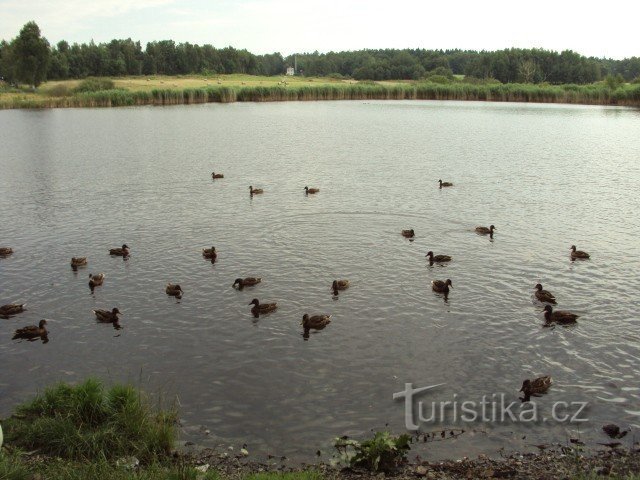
31, 332
578, 253
440, 286
339, 285
544, 295
259, 308
408, 233
613, 431
485, 230
5, 251
246, 282
308, 190
210, 253
559, 316
120, 252
95, 280
78, 262
437, 258
11, 309
215, 175
445, 184
255, 191
174, 290
317, 322
537, 386
107, 316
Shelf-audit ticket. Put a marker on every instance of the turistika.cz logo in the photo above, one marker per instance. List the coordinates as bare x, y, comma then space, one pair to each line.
492, 408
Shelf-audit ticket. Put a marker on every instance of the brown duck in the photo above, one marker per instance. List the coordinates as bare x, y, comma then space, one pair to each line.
246, 282
440, 286
11, 309
210, 253
120, 252
78, 262
559, 316
5, 251
308, 190
31, 332
485, 230
339, 285
259, 308
544, 295
535, 387
255, 191
107, 316
445, 184
174, 290
317, 322
578, 253
437, 258
215, 175
408, 233
95, 280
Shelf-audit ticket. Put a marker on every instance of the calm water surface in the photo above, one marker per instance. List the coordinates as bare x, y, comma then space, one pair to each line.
78, 182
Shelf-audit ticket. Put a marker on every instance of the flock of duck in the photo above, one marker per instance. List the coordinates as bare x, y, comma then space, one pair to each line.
529, 388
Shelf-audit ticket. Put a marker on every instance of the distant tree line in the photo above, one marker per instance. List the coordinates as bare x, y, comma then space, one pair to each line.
30, 59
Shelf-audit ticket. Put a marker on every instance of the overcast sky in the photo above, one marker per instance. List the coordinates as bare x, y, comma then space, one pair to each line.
602, 29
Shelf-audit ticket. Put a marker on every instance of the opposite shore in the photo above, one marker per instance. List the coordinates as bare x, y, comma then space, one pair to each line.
177, 90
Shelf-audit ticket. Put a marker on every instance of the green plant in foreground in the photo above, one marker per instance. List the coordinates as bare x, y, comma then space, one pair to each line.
383, 453
90, 422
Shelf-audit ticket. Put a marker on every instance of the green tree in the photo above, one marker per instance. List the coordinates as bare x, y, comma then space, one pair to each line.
31, 55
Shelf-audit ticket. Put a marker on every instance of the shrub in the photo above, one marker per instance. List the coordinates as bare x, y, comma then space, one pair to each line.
383, 453
94, 85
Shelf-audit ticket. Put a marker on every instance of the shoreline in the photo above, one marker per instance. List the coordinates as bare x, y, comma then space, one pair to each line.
569, 462
595, 95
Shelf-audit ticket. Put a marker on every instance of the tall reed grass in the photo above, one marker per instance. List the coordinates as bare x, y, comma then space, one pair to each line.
597, 94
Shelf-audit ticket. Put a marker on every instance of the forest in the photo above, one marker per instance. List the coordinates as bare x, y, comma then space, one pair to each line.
30, 59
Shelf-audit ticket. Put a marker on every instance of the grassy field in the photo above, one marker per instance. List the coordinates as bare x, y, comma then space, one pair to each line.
164, 90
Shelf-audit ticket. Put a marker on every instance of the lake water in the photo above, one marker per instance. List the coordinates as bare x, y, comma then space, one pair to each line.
77, 182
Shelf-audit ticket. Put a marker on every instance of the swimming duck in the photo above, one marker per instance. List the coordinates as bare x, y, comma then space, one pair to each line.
259, 308
408, 233
107, 316
254, 191
537, 386
339, 285
613, 431
317, 322
445, 184
544, 295
308, 190
210, 253
216, 175
440, 286
78, 262
246, 282
95, 280
485, 230
437, 258
578, 253
5, 251
174, 290
121, 252
31, 332
11, 309
559, 316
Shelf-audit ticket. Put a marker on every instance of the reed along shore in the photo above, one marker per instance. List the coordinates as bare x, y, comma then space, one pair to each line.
595, 94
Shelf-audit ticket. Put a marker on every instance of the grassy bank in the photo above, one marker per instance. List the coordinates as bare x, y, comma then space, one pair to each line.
117, 433
234, 88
